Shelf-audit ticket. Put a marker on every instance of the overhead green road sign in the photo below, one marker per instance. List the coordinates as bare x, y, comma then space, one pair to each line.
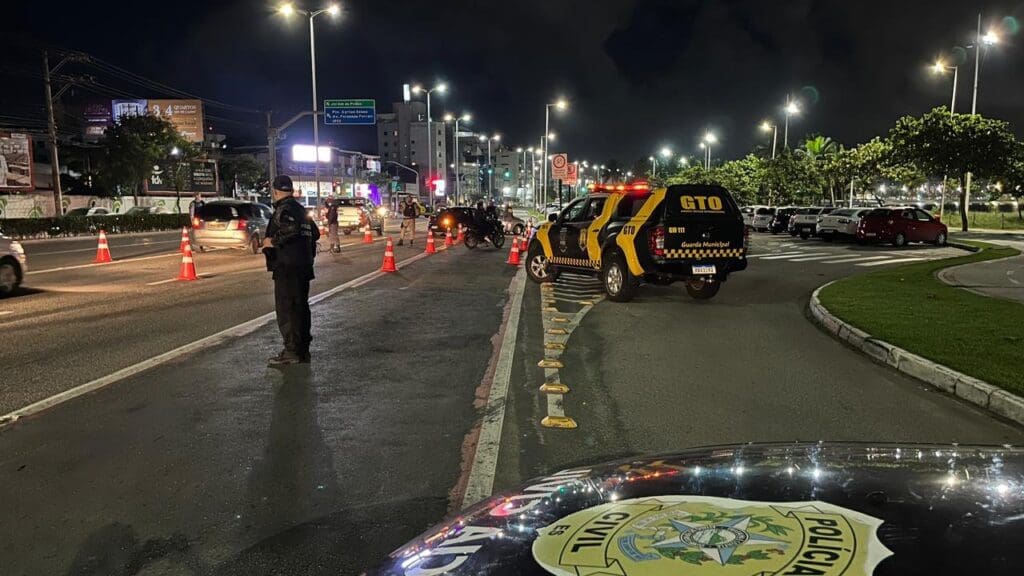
350, 112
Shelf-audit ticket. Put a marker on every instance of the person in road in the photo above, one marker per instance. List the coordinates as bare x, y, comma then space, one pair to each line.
194, 206
332, 224
409, 213
291, 242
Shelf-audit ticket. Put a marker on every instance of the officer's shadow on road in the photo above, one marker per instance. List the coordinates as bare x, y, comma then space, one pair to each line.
294, 478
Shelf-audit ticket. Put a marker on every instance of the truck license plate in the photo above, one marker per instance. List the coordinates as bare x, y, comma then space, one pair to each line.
704, 269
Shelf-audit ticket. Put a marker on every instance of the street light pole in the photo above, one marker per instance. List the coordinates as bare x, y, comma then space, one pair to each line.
316, 119
544, 156
287, 10
654, 166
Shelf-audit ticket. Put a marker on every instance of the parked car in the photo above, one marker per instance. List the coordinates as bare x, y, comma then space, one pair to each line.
762, 219
449, 219
805, 221
13, 265
146, 210
780, 223
840, 223
748, 213
354, 213
85, 211
230, 224
901, 226
552, 208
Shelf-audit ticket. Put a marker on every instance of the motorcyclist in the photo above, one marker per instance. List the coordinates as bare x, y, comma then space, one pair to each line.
481, 220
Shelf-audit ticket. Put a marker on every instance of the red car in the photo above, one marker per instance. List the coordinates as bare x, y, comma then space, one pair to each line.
900, 226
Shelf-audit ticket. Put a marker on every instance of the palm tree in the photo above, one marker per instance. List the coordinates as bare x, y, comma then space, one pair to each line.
818, 150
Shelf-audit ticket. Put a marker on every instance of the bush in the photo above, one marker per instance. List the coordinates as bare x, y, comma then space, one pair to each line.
1007, 207
980, 207
77, 225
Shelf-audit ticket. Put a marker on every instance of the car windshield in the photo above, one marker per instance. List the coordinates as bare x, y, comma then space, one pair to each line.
744, 294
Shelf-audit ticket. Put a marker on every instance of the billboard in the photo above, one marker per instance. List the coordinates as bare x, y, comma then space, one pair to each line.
98, 117
185, 115
15, 162
200, 176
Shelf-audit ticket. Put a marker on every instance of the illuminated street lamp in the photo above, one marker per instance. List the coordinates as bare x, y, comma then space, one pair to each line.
458, 153
666, 152
442, 88
791, 109
560, 104
772, 127
708, 140
287, 10
654, 166
990, 38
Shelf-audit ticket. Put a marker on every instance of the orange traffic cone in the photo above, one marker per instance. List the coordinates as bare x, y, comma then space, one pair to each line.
389, 258
188, 267
523, 242
462, 237
184, 240
448, 239
430, 243
367, 239
102, 250
513, 254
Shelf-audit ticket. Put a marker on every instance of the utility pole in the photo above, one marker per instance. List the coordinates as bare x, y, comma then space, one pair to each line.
271, 149
58, 196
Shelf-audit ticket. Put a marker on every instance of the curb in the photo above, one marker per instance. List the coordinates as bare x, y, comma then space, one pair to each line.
80, 237
973, 390
961, 246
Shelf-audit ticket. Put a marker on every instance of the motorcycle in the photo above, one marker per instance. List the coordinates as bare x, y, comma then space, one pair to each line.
495, 237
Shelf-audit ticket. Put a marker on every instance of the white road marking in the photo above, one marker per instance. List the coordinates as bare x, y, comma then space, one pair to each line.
895, 261
854, 259
6, 312
787, 256
206, 342
775, 254
79, 266
485, 460
93, 249
812, 258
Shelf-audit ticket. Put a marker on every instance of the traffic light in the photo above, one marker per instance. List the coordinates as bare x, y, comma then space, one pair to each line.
508, 174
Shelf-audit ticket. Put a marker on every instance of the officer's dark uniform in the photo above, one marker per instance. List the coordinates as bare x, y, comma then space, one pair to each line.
292, 235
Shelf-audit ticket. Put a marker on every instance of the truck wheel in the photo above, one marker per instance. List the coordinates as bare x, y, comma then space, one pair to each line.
804, 234
619, 284
792, 233
702, 288
537, 265
347, 231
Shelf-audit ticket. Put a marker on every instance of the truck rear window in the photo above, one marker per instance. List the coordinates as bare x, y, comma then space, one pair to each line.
687, 200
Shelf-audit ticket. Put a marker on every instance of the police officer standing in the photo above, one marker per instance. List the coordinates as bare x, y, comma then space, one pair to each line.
290, 248
332, 224
409, 214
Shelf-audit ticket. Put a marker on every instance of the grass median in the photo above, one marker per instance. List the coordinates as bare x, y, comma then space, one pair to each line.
909, 307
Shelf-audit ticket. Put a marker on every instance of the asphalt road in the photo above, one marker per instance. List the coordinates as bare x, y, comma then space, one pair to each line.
82, 323
214, 464
1003, 278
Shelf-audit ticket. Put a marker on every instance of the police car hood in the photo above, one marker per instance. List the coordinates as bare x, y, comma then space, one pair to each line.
753, 509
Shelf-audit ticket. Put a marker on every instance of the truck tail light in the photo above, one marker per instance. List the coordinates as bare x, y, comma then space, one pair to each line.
656, 240
241, 223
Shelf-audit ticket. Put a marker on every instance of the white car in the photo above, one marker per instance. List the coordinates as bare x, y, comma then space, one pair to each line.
762, 219
13, 265
842, 222
748, 214
552, 208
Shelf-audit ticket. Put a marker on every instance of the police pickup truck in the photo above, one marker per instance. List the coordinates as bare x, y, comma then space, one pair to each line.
628, 234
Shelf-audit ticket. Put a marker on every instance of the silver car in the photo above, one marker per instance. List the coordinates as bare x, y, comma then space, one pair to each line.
842, 222
13, 265
230, 224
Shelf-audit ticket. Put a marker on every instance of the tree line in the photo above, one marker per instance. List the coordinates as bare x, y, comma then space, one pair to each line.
937, 147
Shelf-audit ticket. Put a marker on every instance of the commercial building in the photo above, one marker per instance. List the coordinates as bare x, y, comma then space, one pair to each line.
402, 137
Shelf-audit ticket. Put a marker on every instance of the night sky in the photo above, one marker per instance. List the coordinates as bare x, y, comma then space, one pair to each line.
639, 74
